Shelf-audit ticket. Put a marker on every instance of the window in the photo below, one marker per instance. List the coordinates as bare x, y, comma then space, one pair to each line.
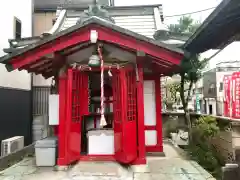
221, 86
17, 28
212, 89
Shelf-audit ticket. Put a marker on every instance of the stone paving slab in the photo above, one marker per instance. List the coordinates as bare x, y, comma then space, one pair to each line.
159, 176
174, 166
171, 167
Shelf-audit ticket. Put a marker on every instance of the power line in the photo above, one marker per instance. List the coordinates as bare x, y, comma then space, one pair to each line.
190, 12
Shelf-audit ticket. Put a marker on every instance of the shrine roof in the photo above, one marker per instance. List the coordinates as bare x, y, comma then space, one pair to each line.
93, 20
220, 28
143, 20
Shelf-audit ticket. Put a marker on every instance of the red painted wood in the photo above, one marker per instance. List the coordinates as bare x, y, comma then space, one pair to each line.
68, 119
158, 127
117, 87
97, 158
111, 36
104, 34
62, 150
158, 112
55, 130
130, 120
148, 60
35, 64
125, 115
48, 48
141, 159
43, 68
74, 111
156, 148
150, 128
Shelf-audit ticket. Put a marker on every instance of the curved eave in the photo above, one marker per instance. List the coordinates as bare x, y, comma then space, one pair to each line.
79, 35
220, 28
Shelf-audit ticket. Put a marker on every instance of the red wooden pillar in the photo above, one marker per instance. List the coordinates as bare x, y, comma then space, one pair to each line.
158, 97
141, 159
62, 134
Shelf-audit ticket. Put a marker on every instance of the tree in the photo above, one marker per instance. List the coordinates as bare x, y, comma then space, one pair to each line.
171, 96
185, 25
191, 67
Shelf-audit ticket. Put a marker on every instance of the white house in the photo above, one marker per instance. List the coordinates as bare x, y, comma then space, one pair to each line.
15, 87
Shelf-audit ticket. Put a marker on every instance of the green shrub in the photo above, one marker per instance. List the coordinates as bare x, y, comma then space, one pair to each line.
201, 149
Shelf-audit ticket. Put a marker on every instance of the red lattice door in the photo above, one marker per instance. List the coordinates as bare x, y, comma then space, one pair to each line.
77, 106
125, 115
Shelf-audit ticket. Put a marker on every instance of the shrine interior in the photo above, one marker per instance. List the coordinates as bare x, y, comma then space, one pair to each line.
91, 121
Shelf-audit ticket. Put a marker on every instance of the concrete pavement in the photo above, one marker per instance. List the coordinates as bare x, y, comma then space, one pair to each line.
171, 167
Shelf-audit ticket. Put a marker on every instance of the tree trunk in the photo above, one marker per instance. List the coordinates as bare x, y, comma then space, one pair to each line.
185, 105
189, 123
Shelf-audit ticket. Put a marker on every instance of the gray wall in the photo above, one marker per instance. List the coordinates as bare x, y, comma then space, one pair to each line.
209, 79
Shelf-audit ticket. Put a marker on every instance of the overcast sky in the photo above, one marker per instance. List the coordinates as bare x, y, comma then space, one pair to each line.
173, 7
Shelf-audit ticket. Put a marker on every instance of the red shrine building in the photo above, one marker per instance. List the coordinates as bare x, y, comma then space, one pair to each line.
106, 102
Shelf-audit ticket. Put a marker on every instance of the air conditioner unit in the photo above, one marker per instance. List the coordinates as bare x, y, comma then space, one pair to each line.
11, 145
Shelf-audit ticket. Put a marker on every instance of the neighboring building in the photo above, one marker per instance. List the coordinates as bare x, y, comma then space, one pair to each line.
210, 88
15, 87
45, 12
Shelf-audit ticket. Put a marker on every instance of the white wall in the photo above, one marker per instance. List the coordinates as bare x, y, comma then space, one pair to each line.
150, 112
21, 9
39, 80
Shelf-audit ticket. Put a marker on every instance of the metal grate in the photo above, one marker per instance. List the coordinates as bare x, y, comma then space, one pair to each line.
131, 96
76, 83
40, 100
80, 95
117, 97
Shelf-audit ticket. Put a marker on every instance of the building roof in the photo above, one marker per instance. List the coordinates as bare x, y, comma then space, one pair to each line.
220, 28
144, 20
92, 20
140, 19
52, 5
157, 50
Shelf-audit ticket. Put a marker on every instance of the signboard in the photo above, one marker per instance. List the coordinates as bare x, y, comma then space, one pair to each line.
198, 107
227, 97
235, 95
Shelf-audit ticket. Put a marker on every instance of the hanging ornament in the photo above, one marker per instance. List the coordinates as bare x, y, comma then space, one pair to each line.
102, 119
94, 61
75, 66
109, 72
79, 67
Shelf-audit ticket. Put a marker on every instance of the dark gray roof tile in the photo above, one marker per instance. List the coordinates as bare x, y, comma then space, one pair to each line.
92, 20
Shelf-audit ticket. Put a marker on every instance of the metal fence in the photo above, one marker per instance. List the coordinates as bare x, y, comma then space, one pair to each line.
40, 100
